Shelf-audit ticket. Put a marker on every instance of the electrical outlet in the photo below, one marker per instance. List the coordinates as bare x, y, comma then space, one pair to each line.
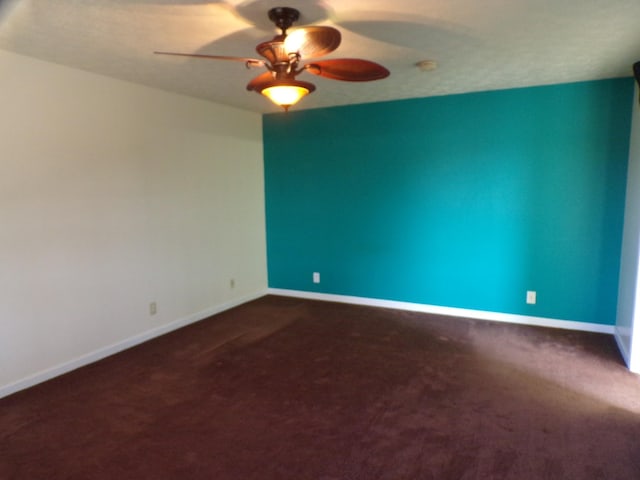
316, 277
531, 297
153, 308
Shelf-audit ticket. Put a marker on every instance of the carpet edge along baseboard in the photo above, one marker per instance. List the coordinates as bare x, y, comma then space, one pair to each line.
106, 351
449, 311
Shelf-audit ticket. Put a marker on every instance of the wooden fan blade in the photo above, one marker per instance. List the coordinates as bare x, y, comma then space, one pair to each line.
311, 42
257, 82
348, 70
249, 61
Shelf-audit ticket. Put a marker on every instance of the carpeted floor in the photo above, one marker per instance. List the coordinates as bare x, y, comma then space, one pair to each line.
284, 388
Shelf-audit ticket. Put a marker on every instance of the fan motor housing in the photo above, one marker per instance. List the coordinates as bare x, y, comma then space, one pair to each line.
283, 17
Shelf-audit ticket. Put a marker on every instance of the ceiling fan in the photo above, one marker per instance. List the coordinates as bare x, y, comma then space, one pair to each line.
284, 54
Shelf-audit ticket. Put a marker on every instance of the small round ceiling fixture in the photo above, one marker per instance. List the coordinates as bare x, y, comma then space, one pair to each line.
427, 65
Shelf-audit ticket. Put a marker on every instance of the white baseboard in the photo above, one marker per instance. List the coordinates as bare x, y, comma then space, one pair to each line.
451, 311
104, 352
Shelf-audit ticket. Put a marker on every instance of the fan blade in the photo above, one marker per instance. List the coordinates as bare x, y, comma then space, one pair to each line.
348, 70
311, 42
254, 62
257, 82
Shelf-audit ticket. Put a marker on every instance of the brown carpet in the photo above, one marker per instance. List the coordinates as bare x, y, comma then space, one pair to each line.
284, 388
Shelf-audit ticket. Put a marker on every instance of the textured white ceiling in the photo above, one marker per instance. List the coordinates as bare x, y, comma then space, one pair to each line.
478, 45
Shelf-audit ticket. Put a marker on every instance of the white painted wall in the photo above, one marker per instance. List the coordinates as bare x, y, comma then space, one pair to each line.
114, 195
628, 315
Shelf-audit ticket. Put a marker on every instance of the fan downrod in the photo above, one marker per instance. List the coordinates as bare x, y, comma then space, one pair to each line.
283, 17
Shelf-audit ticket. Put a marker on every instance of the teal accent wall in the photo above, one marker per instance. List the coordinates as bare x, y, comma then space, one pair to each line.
461, 201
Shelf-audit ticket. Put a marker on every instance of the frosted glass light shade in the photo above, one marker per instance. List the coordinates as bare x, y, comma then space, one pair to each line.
285, 94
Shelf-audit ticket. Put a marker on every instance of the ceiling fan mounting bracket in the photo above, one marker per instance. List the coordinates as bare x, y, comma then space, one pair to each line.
283, 17
251, 63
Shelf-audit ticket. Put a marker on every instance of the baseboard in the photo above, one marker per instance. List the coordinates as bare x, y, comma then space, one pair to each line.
122, 345
450, 311
104, 352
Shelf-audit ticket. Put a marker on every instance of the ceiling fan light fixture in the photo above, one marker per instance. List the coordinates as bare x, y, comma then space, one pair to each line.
287, 93
284, 53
